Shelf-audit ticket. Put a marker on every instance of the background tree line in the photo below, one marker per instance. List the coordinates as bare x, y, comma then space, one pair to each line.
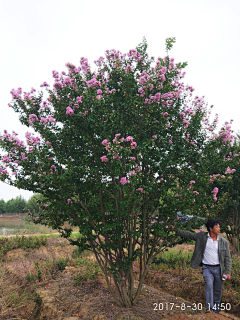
20, 205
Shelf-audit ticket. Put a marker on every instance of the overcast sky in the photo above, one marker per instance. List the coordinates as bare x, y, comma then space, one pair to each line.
37, 37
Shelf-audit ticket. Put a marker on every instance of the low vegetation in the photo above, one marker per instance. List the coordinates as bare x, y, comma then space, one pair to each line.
170, 272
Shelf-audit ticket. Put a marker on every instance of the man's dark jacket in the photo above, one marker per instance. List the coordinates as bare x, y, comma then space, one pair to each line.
201, 241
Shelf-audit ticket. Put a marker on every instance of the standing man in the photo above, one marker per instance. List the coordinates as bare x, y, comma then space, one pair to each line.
212, 253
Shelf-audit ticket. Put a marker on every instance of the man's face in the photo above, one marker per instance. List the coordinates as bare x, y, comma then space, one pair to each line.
216, 229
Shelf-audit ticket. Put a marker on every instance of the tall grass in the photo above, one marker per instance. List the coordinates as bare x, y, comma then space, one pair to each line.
23, 242
174, 259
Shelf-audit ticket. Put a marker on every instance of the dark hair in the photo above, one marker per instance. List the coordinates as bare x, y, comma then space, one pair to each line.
211, 223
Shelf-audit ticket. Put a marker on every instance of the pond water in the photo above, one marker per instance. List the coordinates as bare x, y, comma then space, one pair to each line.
17, 225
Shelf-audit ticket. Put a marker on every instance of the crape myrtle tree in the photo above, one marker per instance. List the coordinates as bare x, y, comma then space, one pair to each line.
229, 216
115, 146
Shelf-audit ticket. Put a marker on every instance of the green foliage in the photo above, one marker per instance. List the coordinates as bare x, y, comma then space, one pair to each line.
30, 277
62, 263
169, 43
27, 219
37, 299
39, 273
77, 253
32, 205
89, 270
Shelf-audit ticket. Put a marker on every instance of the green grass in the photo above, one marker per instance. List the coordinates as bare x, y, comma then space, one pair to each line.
174, 259
88, 270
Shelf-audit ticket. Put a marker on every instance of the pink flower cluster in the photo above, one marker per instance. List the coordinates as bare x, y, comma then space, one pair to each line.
79, 99
104, 159
84, 65
16, 94
4, 171
116, 157
229, 170
31, 140
128, 69
44, 84
5, 159
144, 78
69, 110
105, 143
225, 134
186, 123
23, 156
132, 173
215, 191
55, 74
124, 181
32, 118
216, 177
117, 142
141, 91
156, 97
93, 83
15, 141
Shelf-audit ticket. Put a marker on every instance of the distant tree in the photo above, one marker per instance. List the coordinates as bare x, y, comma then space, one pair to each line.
2, 206
9, 206
15, 205
32, 205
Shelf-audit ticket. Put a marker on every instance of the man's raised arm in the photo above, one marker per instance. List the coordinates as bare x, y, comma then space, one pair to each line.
185, 234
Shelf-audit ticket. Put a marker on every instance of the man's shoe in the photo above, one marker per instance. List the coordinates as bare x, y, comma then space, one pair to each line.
209, 311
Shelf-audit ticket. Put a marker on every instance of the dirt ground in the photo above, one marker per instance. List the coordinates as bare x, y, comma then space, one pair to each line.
61, 299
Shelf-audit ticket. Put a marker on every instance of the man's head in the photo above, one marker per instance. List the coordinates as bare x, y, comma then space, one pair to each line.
213, 225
